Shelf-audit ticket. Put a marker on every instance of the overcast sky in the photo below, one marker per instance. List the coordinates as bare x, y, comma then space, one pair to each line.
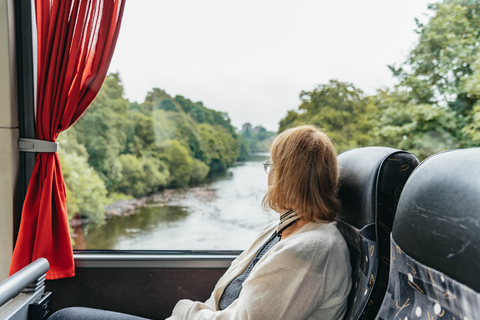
253, 58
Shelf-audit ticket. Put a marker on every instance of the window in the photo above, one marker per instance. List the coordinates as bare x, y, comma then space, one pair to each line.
169, 154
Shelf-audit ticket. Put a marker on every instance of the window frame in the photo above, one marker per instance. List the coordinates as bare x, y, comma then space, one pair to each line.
26, 51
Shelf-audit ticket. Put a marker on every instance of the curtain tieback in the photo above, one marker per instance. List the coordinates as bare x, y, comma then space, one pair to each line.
35, 145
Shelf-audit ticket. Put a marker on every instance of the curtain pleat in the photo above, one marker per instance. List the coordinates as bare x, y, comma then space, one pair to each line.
76, 40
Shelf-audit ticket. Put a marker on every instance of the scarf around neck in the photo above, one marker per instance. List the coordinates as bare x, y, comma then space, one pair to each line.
286, 220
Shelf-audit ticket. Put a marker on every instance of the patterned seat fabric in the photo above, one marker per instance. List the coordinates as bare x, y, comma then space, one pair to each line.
363, 255
371, 180
416, 291
435, 243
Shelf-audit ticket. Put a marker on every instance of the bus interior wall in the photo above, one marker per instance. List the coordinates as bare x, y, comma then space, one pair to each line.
9, 134
145, 292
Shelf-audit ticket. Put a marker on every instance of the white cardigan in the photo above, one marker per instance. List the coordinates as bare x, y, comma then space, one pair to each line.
306, 276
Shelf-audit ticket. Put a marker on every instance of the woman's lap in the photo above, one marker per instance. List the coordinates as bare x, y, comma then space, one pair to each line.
81, 313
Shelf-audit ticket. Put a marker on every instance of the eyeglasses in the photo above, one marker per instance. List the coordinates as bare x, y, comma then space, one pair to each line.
266, 166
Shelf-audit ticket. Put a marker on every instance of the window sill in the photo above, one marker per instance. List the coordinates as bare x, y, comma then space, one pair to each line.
152, 259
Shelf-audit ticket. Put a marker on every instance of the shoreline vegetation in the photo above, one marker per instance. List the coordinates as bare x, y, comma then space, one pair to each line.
120, 150
133, 206
127, 207
121, 147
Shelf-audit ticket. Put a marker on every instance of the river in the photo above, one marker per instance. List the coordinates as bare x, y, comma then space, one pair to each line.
222, 214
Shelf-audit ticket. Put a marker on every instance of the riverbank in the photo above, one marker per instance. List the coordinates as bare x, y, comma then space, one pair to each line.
224, 213
160, 199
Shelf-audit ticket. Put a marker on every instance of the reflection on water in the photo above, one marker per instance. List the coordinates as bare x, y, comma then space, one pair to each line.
146, 220
223, 214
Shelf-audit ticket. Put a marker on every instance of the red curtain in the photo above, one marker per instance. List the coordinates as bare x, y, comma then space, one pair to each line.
76, 40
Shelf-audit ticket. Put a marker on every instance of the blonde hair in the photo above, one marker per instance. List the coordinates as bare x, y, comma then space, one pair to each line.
305, 174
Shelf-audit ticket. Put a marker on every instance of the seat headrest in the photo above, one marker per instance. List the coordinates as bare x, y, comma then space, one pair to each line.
438, 215
362, 171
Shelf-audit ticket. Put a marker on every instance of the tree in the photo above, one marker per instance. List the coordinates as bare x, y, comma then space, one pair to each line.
471, 130
434, 106
422, 129
141, 176
102, 130
138, 149
86, 192
180, 164
140, 133
438, 67
340, 109
221, 148
186, 132
253, 140
243, 149
199, 172
158, 99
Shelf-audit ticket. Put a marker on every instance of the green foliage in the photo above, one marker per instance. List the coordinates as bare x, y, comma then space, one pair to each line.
199, 172
472, 84
121, 149
340, 109
422, 129
155, 100
243, 149
163, 128
86, 192
167, 105
102, 130
132, 175
140, 133
186, 132
221, 148
141, 176
180, 164
438, 67
432, 108
128, 149
257, 139
472, 129
201, 114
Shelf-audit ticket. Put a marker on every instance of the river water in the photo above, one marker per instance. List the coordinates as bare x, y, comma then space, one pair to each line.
223, 214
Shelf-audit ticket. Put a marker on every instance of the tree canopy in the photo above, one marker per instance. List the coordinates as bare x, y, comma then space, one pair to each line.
435, 105
340, 109
254, 139
120, 148
124, 148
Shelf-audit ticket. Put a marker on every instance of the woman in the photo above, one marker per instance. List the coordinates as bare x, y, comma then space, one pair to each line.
298, 268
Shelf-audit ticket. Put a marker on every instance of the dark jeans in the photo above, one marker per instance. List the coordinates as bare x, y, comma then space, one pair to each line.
80, 313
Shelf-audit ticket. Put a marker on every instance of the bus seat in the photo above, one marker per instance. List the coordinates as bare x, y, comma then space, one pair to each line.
435, 247
371, 180
24, 288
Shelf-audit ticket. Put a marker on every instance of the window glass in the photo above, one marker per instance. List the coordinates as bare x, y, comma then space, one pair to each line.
169, 155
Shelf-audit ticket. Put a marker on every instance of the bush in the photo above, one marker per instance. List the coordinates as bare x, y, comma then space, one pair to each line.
199, 172
86, 192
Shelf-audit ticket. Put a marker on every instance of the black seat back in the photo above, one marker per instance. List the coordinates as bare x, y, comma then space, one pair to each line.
435, 270
371, 180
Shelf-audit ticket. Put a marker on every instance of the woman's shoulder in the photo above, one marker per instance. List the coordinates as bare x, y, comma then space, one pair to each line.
269, 227
318, 240
322, 232
316, 249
